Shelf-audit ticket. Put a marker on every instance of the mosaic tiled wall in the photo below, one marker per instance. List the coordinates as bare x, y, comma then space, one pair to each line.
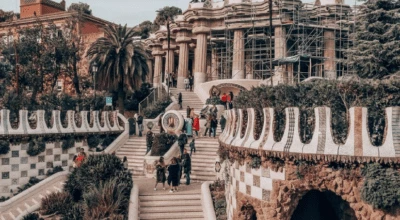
256, 183
17, 166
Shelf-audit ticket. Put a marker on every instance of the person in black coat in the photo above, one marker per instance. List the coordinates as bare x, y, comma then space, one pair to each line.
173, 175
187, 165
180, 100
214, 124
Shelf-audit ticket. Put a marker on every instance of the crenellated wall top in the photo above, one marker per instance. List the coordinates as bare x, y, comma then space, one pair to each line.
357, 147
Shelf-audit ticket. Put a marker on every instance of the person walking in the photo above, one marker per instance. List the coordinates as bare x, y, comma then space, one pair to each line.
174, 77
186, 83
196, 125
125, 162
214, 111
214, 125
192, 147
189, 127
140, 124
160, 173
180, 100
192, 114
188, 110
173, 175
182, 140
187, 165
230, 105
149, 140
222, 122
191, 82
231, 95
208, 126
171, 80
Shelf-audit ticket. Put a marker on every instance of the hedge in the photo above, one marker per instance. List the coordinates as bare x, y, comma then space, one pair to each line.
158, 107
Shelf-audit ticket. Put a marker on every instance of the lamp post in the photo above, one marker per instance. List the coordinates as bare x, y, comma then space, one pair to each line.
94, 71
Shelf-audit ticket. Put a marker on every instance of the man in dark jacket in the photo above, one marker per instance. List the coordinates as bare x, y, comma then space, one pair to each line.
187, 165
140, 124
182, 140
149, 140
214, 124
188, 112
222, 122
180, 100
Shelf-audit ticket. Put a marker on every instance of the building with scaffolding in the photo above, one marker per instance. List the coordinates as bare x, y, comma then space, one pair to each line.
245, 40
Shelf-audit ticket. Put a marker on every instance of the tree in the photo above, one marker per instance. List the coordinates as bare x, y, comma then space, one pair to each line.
165, 16
121, 62
377, 49
80, 7
144, 29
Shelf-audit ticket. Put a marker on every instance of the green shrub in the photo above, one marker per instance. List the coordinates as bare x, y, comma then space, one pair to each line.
108, 139
32, 216
68, 142
381, 186
255, 162
36, 146
104, 200
3, 198
4, 147
93, 140
56, 169
132, 126
338, 95
95, 170
56, 202
162, 143
158, 107
215, 100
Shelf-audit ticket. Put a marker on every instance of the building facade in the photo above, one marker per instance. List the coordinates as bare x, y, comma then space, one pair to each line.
234, 39
86, 29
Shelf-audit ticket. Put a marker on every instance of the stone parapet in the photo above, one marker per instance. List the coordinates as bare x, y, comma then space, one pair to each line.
358, 146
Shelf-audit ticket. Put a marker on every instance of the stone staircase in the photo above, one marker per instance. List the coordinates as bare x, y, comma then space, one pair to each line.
188, 99
160, 204
134, 150
203, 161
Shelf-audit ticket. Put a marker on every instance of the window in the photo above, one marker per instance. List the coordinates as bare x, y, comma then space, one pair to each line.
60, 85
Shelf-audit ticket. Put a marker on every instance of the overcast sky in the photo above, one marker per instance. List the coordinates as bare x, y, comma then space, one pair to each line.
131, 12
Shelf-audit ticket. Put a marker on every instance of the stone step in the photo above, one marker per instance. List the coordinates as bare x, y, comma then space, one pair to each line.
203, 161
203, 178
203, 173
167, 197
180, 215
169, 203
196, 169
171, 209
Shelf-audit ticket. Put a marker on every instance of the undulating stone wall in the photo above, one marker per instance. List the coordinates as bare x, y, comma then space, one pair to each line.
17, 167
288, 169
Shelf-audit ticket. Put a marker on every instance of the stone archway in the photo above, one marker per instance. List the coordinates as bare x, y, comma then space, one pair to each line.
324, 205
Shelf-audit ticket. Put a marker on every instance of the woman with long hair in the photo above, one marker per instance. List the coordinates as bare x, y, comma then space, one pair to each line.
173, 175
160, 173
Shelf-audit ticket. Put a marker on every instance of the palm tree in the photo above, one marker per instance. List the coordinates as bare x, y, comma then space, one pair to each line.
121, 62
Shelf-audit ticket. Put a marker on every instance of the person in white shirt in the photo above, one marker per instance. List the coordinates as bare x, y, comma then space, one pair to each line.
186, 83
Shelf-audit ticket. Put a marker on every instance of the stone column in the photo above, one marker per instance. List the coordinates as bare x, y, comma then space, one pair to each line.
238, 55
150, 74
157, 70
280, 50
329, 54
183, 40
169, 61
201, 59
214, 64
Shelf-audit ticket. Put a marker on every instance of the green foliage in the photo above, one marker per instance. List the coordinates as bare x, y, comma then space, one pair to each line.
97, 170
380, 188
56, 202
68, 143
377, 51
218, 196
108, 139
93, 140
338, 95
3, 198
36, 146
158, 107
255, 162
165, 14
132, 103
32, 181
215, 100
162, 143
4, 147
81, 8
56, 169
32, 216
105, 200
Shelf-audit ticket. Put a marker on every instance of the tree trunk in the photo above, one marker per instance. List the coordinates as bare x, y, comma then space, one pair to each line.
121, 97
76, 77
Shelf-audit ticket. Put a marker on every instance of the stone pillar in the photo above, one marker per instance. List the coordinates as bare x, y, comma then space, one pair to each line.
280, 50
183, 64
169, 61
214, 64
201, 59
150, 74
329, 54
238, 55
157, 70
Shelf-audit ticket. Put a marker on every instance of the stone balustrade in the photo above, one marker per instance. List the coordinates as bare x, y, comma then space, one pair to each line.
322, 145
57, 127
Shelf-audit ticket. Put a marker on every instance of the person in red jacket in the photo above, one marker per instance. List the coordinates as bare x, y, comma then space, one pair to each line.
224, 99
196, 125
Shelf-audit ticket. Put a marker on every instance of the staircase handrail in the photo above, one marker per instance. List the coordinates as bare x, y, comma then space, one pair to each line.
152, 98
